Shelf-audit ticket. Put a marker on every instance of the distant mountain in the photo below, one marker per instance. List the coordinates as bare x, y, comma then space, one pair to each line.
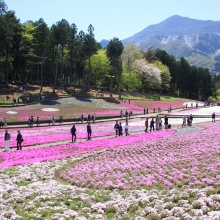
196, 40
104, 43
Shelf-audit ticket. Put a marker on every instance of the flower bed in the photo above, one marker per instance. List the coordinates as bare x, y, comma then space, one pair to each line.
31, 191
68, 107
71, 107
67, 150
158, 104
43, 135
189, 160
199, 111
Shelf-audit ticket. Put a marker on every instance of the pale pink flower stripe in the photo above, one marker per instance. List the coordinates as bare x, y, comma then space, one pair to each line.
158, 104
41, 135
67, 150
186, 111
136, 107
186, 160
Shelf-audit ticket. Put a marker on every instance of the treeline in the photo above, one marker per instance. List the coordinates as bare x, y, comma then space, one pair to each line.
61, 55
187, 81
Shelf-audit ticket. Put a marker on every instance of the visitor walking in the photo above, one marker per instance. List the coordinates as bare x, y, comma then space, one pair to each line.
53, 120
7, 137
38, 121
120, 129
19, 140
146, 125
126, 114
5, 123
1, 122
49, 119
152, 125
191, 118
166, 121
81, 118
157, 123
60, 119
122, 114
88, 118
32, 121
189, 121
184, 121
89, 131
160, 123
116, 127
93, 118
73, 133
29, 121
213, 117
126, 128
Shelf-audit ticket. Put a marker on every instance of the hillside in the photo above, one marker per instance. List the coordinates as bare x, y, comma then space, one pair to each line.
196, 40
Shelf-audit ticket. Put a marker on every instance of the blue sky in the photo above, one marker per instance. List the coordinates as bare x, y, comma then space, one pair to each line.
113, 18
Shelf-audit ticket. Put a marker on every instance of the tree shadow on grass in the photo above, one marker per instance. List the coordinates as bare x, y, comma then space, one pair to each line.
50, 102
111, 100
83, 99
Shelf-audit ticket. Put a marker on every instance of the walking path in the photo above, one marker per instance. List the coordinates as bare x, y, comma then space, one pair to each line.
149, 115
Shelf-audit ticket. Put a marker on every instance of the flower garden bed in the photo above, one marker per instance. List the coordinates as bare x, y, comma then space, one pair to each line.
72, 107
49, 134
164, 177
160, 175
172, 161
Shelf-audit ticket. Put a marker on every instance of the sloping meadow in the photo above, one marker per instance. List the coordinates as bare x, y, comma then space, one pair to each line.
189, 158
160, 175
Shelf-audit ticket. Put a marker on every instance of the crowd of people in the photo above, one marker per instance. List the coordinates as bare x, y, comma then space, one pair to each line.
151, 124
3, 122
7, 137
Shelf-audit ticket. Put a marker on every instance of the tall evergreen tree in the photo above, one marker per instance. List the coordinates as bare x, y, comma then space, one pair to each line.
11, 37
42, 38
114, 50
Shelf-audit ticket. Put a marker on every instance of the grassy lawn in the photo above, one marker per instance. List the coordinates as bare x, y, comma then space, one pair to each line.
141, 96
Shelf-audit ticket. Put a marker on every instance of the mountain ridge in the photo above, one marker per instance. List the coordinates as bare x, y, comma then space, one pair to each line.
176, 25
198, 41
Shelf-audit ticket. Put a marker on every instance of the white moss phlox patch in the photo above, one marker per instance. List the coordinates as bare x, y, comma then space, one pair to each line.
50, 109
11, 112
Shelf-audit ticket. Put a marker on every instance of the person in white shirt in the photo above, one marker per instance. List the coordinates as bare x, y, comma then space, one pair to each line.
126, 128
7, 141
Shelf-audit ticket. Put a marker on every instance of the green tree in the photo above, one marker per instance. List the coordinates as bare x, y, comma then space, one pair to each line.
130, 53
41, 38
91, 47
73, 50
27, 47
164, 76
63, 28
100, 69
131, 81
10, 40
114, 50
149, 55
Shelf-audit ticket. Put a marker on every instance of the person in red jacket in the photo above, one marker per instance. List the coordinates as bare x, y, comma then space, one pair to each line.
146, 125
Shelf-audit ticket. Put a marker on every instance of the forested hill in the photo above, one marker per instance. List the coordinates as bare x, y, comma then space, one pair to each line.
196, 40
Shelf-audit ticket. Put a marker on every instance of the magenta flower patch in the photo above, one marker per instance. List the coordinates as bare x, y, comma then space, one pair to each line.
67, 150
182, 160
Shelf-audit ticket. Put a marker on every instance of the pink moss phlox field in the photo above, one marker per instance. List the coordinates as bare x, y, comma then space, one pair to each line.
198, 111
179, 160
158, 104
42, 135
67, 150
71, 110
